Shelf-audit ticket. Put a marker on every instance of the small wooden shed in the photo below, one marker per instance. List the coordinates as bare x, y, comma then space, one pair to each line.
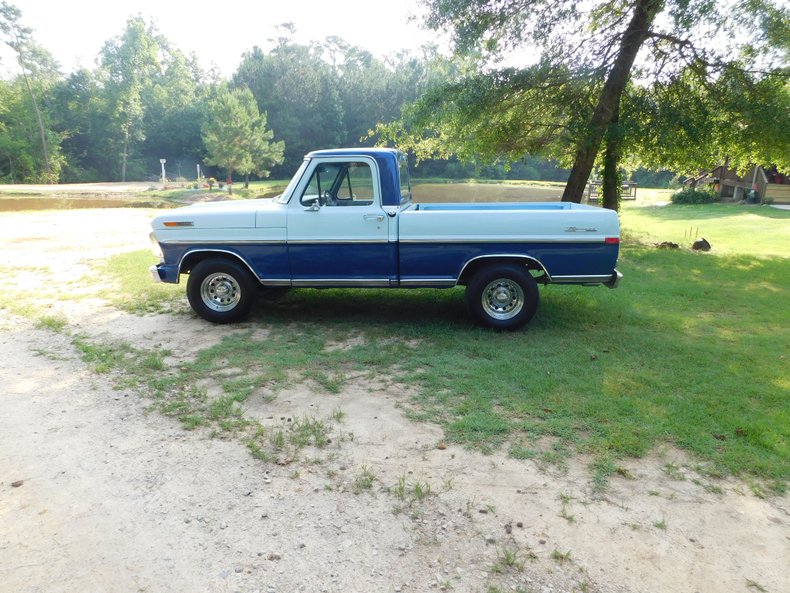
770, 185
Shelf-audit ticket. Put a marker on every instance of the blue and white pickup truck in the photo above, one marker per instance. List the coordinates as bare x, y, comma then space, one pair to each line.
347, 219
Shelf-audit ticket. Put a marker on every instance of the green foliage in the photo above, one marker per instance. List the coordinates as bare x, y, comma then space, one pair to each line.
28, 157
128, 64
693, 103
495, 114
324, 96
693, 195
688, 124
235, 134
300, 93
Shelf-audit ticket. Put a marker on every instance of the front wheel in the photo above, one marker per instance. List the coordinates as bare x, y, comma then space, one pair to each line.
220, 290
503, 297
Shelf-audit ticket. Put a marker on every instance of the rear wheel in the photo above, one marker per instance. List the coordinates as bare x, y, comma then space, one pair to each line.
221, 290
503, 297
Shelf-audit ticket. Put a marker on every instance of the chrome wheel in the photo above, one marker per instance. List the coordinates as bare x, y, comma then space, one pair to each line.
220, 292
502, 298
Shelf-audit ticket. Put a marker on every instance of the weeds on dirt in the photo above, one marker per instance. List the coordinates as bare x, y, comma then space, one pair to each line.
565, 500
411, 492
673, 472
134, 363
508, 559
364, 480
561, 557
55, 323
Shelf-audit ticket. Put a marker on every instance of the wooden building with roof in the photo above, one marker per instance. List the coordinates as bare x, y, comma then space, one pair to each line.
770, 185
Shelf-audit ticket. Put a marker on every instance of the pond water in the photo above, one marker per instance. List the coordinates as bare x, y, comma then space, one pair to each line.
39, 203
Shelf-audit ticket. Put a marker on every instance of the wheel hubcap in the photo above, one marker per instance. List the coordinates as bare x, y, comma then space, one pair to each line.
503, 299
220, 292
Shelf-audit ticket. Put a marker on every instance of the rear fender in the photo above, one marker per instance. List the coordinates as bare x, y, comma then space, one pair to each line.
471, 267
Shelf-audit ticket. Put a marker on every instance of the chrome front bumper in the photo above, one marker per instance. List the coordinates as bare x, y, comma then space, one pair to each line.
154, 271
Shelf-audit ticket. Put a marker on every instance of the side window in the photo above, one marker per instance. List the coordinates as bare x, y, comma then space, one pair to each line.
340, 184
321, 182
356, 189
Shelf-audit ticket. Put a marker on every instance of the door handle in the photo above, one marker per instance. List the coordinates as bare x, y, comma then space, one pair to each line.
374, 217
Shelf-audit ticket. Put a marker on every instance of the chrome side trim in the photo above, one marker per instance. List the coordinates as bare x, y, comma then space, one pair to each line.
428, 282
581, 279
225, 251
342, 282
515, 239
223, 242
278, 282
273, 242
507, 256
335, 241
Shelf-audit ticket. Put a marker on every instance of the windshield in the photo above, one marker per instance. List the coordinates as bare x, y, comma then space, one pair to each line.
285, 196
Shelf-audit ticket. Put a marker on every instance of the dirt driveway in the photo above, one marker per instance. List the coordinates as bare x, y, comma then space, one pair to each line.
97, 494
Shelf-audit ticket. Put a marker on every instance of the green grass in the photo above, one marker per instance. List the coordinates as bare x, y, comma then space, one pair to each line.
132, 288
690, 351
731, 229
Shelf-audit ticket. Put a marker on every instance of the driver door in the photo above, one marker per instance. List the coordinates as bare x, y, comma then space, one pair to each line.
338, 234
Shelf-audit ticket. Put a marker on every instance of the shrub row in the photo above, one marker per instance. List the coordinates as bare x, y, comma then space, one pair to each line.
692, 195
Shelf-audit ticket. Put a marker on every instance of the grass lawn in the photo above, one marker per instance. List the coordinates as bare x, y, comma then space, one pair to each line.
690, 351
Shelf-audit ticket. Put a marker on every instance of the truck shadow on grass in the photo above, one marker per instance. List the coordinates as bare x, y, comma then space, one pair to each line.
378, 307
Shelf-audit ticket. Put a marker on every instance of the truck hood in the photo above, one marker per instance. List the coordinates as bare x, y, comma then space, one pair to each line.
230, 214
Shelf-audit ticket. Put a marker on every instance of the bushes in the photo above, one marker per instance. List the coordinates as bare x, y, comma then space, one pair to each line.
691, 195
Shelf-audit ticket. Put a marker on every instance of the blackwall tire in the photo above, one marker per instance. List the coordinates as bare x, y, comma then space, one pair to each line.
503, 297
221, 290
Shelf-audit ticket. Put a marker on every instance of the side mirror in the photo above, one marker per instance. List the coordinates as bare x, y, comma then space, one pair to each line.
314, 207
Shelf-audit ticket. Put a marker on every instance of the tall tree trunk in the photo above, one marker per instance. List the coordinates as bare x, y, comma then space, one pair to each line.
42, 132
124, 157
229, 181
635, 34
612, 184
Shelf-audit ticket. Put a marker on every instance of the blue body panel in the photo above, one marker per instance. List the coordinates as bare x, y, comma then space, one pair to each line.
270, 259
446, 260
350, 261
393, 262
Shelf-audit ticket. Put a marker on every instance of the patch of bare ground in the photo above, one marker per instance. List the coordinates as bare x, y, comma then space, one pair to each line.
96, 494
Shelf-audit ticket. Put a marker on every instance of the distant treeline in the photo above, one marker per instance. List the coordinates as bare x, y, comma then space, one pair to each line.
145, 100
